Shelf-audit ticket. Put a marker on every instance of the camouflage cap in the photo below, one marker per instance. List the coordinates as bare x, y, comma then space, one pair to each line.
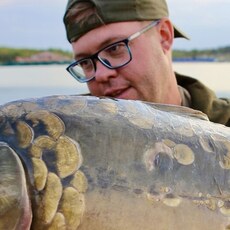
109, 11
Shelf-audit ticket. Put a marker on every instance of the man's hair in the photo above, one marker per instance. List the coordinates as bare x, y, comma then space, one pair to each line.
83, 12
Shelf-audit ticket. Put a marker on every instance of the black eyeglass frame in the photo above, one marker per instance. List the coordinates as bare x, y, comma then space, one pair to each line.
96, 57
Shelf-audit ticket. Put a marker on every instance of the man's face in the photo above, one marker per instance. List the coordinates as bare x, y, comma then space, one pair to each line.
147, 77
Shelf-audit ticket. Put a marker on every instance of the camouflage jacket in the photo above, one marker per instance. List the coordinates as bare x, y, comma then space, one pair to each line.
205, 100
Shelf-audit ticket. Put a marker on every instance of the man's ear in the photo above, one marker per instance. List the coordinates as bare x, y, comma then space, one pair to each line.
166, 32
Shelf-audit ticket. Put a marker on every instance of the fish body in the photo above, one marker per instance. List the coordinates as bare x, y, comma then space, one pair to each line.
76, 162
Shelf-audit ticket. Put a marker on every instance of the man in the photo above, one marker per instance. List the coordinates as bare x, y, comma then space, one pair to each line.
123, 49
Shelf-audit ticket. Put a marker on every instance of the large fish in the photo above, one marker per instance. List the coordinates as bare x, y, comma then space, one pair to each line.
72, 162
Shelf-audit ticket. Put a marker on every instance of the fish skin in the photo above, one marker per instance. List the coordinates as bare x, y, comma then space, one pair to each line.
125, 164
15, 207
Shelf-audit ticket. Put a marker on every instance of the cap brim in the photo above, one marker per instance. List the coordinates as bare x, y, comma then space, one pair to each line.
179, 34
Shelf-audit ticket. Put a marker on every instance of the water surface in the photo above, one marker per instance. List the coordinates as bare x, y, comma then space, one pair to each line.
19, 82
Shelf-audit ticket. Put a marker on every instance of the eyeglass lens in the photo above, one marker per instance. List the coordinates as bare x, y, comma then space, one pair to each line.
113, 56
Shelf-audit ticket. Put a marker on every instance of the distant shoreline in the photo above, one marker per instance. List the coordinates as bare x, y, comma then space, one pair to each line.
14, 56
34, 63
179, 60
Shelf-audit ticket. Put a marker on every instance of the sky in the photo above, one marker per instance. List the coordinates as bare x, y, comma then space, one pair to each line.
39, 23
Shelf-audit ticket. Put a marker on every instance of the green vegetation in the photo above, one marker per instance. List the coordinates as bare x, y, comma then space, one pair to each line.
12, 55
219, 54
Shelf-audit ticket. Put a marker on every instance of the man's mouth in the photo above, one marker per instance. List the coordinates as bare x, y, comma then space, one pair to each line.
116, 93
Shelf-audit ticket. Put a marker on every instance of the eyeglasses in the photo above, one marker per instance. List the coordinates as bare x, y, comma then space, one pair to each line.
113, 56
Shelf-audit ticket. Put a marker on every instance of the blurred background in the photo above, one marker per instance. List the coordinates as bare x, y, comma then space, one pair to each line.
38, 24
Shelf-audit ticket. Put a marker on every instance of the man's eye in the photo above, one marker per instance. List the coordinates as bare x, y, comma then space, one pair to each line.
116, 49
85, 64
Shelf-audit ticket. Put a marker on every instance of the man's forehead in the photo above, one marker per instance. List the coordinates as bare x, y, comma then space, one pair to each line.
104, 35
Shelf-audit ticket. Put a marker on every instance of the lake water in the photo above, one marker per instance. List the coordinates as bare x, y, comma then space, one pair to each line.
18, 82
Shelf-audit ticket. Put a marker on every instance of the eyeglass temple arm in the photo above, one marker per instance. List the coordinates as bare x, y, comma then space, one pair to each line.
152, 24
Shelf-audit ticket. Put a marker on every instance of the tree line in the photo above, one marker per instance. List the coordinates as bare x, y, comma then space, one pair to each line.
9, 55
218, 54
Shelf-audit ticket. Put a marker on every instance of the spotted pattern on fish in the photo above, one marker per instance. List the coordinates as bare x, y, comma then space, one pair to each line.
94, 163
57, 184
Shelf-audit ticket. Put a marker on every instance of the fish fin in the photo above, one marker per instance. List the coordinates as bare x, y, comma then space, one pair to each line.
15, 210
180, 110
